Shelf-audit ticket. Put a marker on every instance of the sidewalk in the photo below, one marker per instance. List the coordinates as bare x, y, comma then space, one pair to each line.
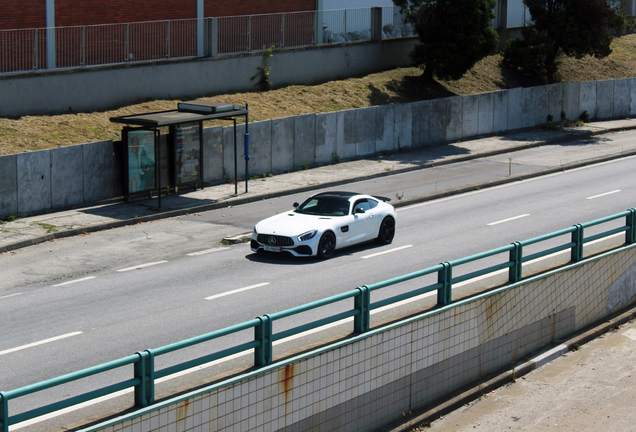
30, 230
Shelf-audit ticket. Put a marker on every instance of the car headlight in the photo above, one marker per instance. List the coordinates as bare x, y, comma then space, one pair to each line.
307, 236
255, 232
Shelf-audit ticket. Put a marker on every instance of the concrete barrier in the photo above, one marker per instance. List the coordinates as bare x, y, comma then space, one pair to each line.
8, 185
31, 185
368, 381
34, 181
326, 130
67, 176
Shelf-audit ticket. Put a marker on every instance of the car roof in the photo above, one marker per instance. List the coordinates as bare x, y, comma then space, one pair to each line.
338, 194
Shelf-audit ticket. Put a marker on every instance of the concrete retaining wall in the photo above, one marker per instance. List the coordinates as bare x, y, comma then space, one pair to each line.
369, 381
79, 175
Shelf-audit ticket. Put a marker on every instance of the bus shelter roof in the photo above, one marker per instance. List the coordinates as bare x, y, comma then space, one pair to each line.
167, 118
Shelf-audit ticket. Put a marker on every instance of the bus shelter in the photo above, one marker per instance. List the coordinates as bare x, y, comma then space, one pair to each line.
156, 162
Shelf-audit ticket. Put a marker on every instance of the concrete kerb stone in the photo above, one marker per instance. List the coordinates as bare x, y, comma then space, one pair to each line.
468, 394
414, 200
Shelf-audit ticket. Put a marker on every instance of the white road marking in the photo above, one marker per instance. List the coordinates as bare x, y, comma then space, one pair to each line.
207, 251
31, 345
387, 251
631, 333
73, 281
10, 295
140, 266
237, 291
250, 352
508, 220
604, 194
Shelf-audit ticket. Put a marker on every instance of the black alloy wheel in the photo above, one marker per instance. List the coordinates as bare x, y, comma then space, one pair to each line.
387, 231
327, 245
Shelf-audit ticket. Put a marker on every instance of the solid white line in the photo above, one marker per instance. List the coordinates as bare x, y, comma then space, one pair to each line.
237, 291
605, 194
31, 345
140, 266
509, 219
73, 281
207, 251
10, 295
387, 251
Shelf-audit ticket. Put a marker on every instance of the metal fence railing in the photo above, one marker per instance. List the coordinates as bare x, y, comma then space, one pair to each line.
145, 371
79, 46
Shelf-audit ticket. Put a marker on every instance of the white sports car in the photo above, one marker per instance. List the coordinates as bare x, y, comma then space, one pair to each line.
326, 222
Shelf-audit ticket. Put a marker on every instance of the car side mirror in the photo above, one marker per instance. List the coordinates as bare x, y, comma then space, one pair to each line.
296, 205
359, 210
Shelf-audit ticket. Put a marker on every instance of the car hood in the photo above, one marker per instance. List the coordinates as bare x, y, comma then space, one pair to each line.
293, 224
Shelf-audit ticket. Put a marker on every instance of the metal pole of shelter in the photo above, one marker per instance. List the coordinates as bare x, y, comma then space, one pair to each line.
247, 145
158, 165
235, 162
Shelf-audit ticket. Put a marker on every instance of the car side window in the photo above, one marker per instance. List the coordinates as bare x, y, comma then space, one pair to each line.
372, 203
361, 204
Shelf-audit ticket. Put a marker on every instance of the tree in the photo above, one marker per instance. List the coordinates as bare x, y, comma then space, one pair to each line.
574, 27
454, 34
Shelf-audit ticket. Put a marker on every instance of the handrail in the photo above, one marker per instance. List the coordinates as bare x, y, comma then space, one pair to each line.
264, 335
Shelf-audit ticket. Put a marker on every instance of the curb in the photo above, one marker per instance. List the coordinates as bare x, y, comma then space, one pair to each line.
463, 397
413, 200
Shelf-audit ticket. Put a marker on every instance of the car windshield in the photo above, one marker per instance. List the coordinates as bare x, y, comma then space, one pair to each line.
324, 206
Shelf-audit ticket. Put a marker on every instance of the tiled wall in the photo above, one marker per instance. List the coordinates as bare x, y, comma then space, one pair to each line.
370, 381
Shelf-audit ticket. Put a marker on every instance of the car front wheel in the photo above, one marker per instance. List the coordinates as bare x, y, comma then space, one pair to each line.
327, 245
387, 231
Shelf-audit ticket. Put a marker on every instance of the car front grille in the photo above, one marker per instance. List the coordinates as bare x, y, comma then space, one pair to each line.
274, 240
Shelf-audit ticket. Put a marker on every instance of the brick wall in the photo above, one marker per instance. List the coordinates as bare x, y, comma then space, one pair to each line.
32, 13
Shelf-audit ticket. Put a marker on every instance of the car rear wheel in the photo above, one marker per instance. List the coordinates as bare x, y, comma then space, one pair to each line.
327, 245
387, 231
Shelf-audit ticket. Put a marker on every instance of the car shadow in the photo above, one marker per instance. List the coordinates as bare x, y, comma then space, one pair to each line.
288, 259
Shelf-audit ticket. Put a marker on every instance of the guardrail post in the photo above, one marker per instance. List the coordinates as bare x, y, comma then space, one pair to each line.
4, 413
144, 371
445, 277
577, 239
516, 254
362, 303
263, 334
630, 234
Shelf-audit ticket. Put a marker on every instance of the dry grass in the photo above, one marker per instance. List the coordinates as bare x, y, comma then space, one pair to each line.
393, 86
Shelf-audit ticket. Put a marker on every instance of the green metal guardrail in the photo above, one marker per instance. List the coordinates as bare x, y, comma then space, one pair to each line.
144, 377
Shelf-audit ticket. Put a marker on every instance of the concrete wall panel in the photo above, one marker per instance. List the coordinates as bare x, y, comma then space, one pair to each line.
632, 106
347, 134
470, 107
404, 125
542, 104
515, 108
282, 144
622, 97
103, 170
213, 154
34, 181
587, 101
384, 125
555, 101
440, 119
604, 99
228, 151
304, 140
500, 111
67, 176
529, 107
571, 100
421, 123
8, 186
326, 129
260, 147
486, 113
366, 118
454, 130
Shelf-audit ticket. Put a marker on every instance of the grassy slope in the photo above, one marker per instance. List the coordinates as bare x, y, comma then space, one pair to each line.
394, 86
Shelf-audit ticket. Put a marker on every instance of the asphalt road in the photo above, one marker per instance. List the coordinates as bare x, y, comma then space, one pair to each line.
109, 294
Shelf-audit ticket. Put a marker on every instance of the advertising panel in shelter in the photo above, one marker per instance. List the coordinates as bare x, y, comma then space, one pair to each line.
187, 153
141, 160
